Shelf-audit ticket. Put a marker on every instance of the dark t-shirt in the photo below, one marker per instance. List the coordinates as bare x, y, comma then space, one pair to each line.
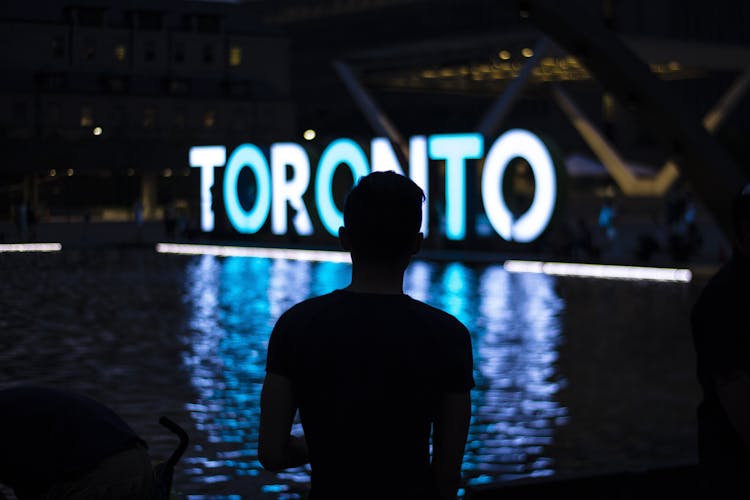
49, 435
367, 373
722, 342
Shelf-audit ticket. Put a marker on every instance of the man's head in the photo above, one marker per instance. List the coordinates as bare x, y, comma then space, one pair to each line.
382, 217
741, 217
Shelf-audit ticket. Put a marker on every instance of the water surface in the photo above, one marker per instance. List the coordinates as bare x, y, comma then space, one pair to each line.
573, 375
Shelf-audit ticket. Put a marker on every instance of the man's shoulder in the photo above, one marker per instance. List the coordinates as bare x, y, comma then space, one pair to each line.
729, 280
432, 311
725, 292
433, 315
407, 308
310, 307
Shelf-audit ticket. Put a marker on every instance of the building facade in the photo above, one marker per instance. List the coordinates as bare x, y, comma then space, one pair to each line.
100, 101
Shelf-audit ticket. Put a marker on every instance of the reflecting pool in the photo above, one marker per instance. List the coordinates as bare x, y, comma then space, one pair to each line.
573, 375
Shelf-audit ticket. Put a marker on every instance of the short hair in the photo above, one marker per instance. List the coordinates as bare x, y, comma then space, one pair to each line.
741, 210
382, 214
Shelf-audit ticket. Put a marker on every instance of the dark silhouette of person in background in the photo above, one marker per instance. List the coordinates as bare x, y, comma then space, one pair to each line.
721, 339
374, 373
683, 237
583, 242
607, 220
138, 218
57, 444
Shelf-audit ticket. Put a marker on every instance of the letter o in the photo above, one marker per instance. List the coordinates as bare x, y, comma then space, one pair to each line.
512, 144
247, 222
339, 151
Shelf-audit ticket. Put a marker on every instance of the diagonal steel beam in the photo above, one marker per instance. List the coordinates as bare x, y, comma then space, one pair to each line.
715, 117
630, 184
493, 119
712, 173
618, 168
374, 115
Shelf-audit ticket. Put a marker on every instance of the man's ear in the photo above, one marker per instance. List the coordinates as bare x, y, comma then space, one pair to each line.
344, 240
417, 244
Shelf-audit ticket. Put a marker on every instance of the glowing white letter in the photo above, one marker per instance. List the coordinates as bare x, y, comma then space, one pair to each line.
382, 156
294, 155
247, 155
455, 149
339, 151
513, 144
206, 158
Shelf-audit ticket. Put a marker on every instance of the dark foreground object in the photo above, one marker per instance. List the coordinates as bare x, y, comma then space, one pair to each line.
669, 482
164, 471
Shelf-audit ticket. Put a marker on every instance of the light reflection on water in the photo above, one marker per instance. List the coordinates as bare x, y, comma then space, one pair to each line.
234, 302
575, 376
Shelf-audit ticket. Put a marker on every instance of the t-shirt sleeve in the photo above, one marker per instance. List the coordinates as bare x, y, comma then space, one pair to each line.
279, 355
459, 370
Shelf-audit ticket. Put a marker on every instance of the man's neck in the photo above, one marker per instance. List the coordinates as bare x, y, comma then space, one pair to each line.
376, 279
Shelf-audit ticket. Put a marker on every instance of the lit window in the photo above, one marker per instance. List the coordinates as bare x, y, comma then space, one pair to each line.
209, 119
87, 116
120, 52
235, 55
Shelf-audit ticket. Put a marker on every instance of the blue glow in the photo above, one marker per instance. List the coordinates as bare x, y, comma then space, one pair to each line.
247, 155
515, 324
417, 280
457, 281
274, 488
455, 149
418, 172
339, 151
276, 192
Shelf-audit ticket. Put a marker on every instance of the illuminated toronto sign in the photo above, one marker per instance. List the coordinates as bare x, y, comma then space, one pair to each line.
276, 191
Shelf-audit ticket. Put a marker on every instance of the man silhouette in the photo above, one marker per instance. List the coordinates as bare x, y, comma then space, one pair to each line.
381, 381
722, 344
